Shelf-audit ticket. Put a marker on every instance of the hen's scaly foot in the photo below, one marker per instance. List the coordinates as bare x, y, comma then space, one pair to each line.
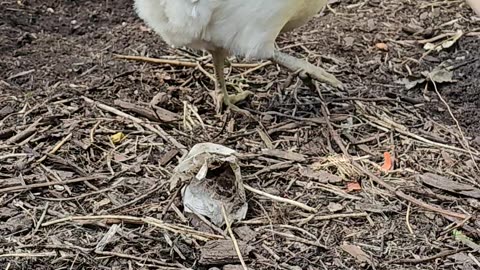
219, 55
230, 100
316, 73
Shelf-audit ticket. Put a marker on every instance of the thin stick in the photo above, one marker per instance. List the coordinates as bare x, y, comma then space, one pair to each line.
139, 198
206, 73
389, 127
407, 219
406, 197
390, 188
298, 239
465, 141
42, 217
30, 255
155, 129
127, 256
55, 148
202, 236
25, 133
280, 199
13, 155
455, 226
429, 258
181, 63
327, 217
474, 259
234, 240
430, 40
39, 185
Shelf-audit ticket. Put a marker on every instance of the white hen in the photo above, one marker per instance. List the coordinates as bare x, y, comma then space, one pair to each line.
475, 5
242, 27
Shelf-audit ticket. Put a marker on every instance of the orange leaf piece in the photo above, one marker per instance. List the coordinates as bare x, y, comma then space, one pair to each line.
388, 164
353, 186
382, 46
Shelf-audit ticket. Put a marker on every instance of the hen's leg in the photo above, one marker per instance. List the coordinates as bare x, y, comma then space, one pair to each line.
296, 64
218, 57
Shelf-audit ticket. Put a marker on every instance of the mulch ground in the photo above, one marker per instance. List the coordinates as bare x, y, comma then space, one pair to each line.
389, 165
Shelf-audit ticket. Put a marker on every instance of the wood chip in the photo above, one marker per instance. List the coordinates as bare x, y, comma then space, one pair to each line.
320, 176
357, 253
284, 155
222, 252
443, 183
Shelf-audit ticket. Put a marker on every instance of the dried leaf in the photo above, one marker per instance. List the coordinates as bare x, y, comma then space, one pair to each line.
447, 158
388, 163
410, 84
265, 138
334, 207
382, 46
439, 74
353, 186
356, 252
118, 137
320, 176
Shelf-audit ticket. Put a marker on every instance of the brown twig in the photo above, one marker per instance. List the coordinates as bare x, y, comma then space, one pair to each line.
234, 240
55, 148
327, 217
29, 255
39, 185
202, 236
25, 133
465, 141
379, 181
164, 265
427, 259
155, 129
280, 199
183, 63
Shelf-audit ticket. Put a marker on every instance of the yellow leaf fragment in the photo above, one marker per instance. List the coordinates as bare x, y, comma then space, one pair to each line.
117, 137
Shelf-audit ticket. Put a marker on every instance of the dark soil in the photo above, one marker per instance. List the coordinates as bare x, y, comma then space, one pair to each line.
72, 198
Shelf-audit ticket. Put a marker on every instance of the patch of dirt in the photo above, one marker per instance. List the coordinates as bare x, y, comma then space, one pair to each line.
463, 97
73, 197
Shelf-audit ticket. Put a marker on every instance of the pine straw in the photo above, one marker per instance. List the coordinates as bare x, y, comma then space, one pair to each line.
72, 198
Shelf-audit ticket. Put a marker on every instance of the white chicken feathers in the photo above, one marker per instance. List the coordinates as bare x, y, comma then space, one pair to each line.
241, 27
